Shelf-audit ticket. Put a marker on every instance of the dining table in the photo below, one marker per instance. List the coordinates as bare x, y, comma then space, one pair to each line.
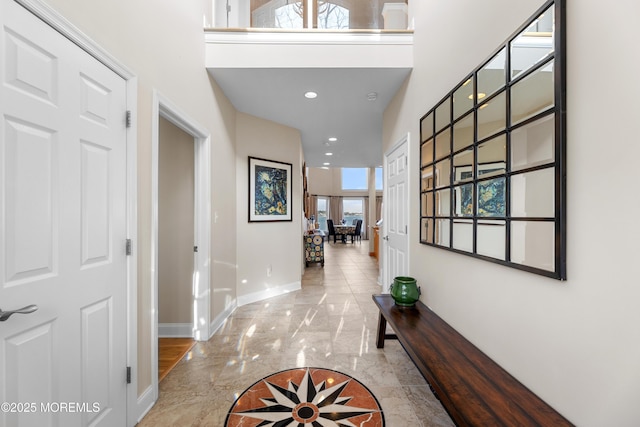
344, 230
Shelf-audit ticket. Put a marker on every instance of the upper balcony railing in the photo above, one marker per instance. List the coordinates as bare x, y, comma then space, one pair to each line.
307, 14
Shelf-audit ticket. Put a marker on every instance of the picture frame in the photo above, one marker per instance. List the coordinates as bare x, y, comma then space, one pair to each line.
491, 197
270, 190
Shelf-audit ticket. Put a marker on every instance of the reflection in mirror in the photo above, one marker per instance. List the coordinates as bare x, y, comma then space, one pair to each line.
427, 204
533, 94
533, 144
427, 178
426, 230
443, 203
532, 194
492, 116
463, 166
426, 153
463, 133
463, 200
442, 232
492, 157
443, 171
443, 115
463, 235
492, 76
533, 44
491, 197
426, 127
443, 143
463, 98
533, 244
491, 237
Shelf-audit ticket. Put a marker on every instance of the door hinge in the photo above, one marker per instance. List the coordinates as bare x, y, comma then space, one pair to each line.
195, 249
228, 8
128, 118
128, 247
128, 374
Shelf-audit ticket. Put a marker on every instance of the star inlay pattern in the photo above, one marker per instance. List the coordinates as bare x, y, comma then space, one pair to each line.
304, 397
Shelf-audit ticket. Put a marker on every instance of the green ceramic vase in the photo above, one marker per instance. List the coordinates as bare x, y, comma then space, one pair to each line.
404, 291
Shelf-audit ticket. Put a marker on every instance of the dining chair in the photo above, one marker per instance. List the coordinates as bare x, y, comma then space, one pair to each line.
332, 230
358, 231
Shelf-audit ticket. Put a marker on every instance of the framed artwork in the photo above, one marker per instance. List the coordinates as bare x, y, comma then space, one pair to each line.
270, 190
491, 193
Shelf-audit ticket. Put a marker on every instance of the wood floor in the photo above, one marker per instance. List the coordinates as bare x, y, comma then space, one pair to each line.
170, 352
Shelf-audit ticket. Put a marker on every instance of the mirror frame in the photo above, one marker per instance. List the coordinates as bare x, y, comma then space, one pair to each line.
428, 218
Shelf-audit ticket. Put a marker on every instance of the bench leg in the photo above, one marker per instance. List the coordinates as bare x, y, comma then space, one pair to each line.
382, 329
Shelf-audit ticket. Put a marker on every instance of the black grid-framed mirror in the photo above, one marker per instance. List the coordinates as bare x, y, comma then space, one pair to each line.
492, 154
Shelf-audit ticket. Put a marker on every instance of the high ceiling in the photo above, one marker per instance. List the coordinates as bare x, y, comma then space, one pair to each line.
341, 110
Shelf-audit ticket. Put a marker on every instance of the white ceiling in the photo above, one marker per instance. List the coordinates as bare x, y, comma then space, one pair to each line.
341, 109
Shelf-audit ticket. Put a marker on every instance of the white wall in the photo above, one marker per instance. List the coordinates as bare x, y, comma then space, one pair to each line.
269, 253
575, 343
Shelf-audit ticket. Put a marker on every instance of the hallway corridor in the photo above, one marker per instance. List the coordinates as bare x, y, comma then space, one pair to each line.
330, 323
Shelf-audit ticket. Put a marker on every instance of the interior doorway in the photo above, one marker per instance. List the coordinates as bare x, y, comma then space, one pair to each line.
176, 216
395, 228
198, 242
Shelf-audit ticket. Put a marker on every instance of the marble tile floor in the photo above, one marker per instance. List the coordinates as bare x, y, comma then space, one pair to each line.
330, 323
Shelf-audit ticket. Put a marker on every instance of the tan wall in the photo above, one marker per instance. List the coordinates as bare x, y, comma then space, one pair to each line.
175, 224
276, 246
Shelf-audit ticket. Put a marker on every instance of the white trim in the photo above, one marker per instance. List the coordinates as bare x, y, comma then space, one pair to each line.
269, 293
175, 330
145, 402
163, 107
253, 36
221, 318
59, 23
71, 32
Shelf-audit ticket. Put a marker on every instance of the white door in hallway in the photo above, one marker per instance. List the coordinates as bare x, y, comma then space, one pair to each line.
63, 230
396, 215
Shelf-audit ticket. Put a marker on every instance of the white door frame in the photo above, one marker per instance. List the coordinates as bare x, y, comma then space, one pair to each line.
385, 197
50, 16
164, 108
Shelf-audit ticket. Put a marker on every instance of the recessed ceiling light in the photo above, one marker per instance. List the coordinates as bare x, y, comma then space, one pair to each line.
372, 96
326, 164
324, 167
310, 95
333, 139
328, 154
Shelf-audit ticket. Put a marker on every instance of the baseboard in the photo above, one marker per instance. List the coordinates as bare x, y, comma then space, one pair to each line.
175, 330
269, 293
145, 402
220, 319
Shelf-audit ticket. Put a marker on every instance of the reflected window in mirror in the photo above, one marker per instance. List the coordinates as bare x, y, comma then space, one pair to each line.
492, 154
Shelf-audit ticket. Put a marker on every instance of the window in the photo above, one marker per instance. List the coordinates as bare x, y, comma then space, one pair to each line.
379, 180
323, 213
352, 210
332, 17
354, 179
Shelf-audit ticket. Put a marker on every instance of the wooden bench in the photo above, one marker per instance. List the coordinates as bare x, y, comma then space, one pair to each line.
474, 389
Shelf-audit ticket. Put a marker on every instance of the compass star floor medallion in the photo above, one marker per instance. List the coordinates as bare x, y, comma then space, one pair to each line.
306, 397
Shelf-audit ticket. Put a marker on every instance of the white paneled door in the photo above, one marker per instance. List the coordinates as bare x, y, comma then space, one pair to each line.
63, 225
396, 221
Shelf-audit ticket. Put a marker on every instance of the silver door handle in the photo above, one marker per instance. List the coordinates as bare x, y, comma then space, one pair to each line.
385, 238
4, 315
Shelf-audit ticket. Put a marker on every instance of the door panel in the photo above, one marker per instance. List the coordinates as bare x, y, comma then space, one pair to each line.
395, 225
63, 228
